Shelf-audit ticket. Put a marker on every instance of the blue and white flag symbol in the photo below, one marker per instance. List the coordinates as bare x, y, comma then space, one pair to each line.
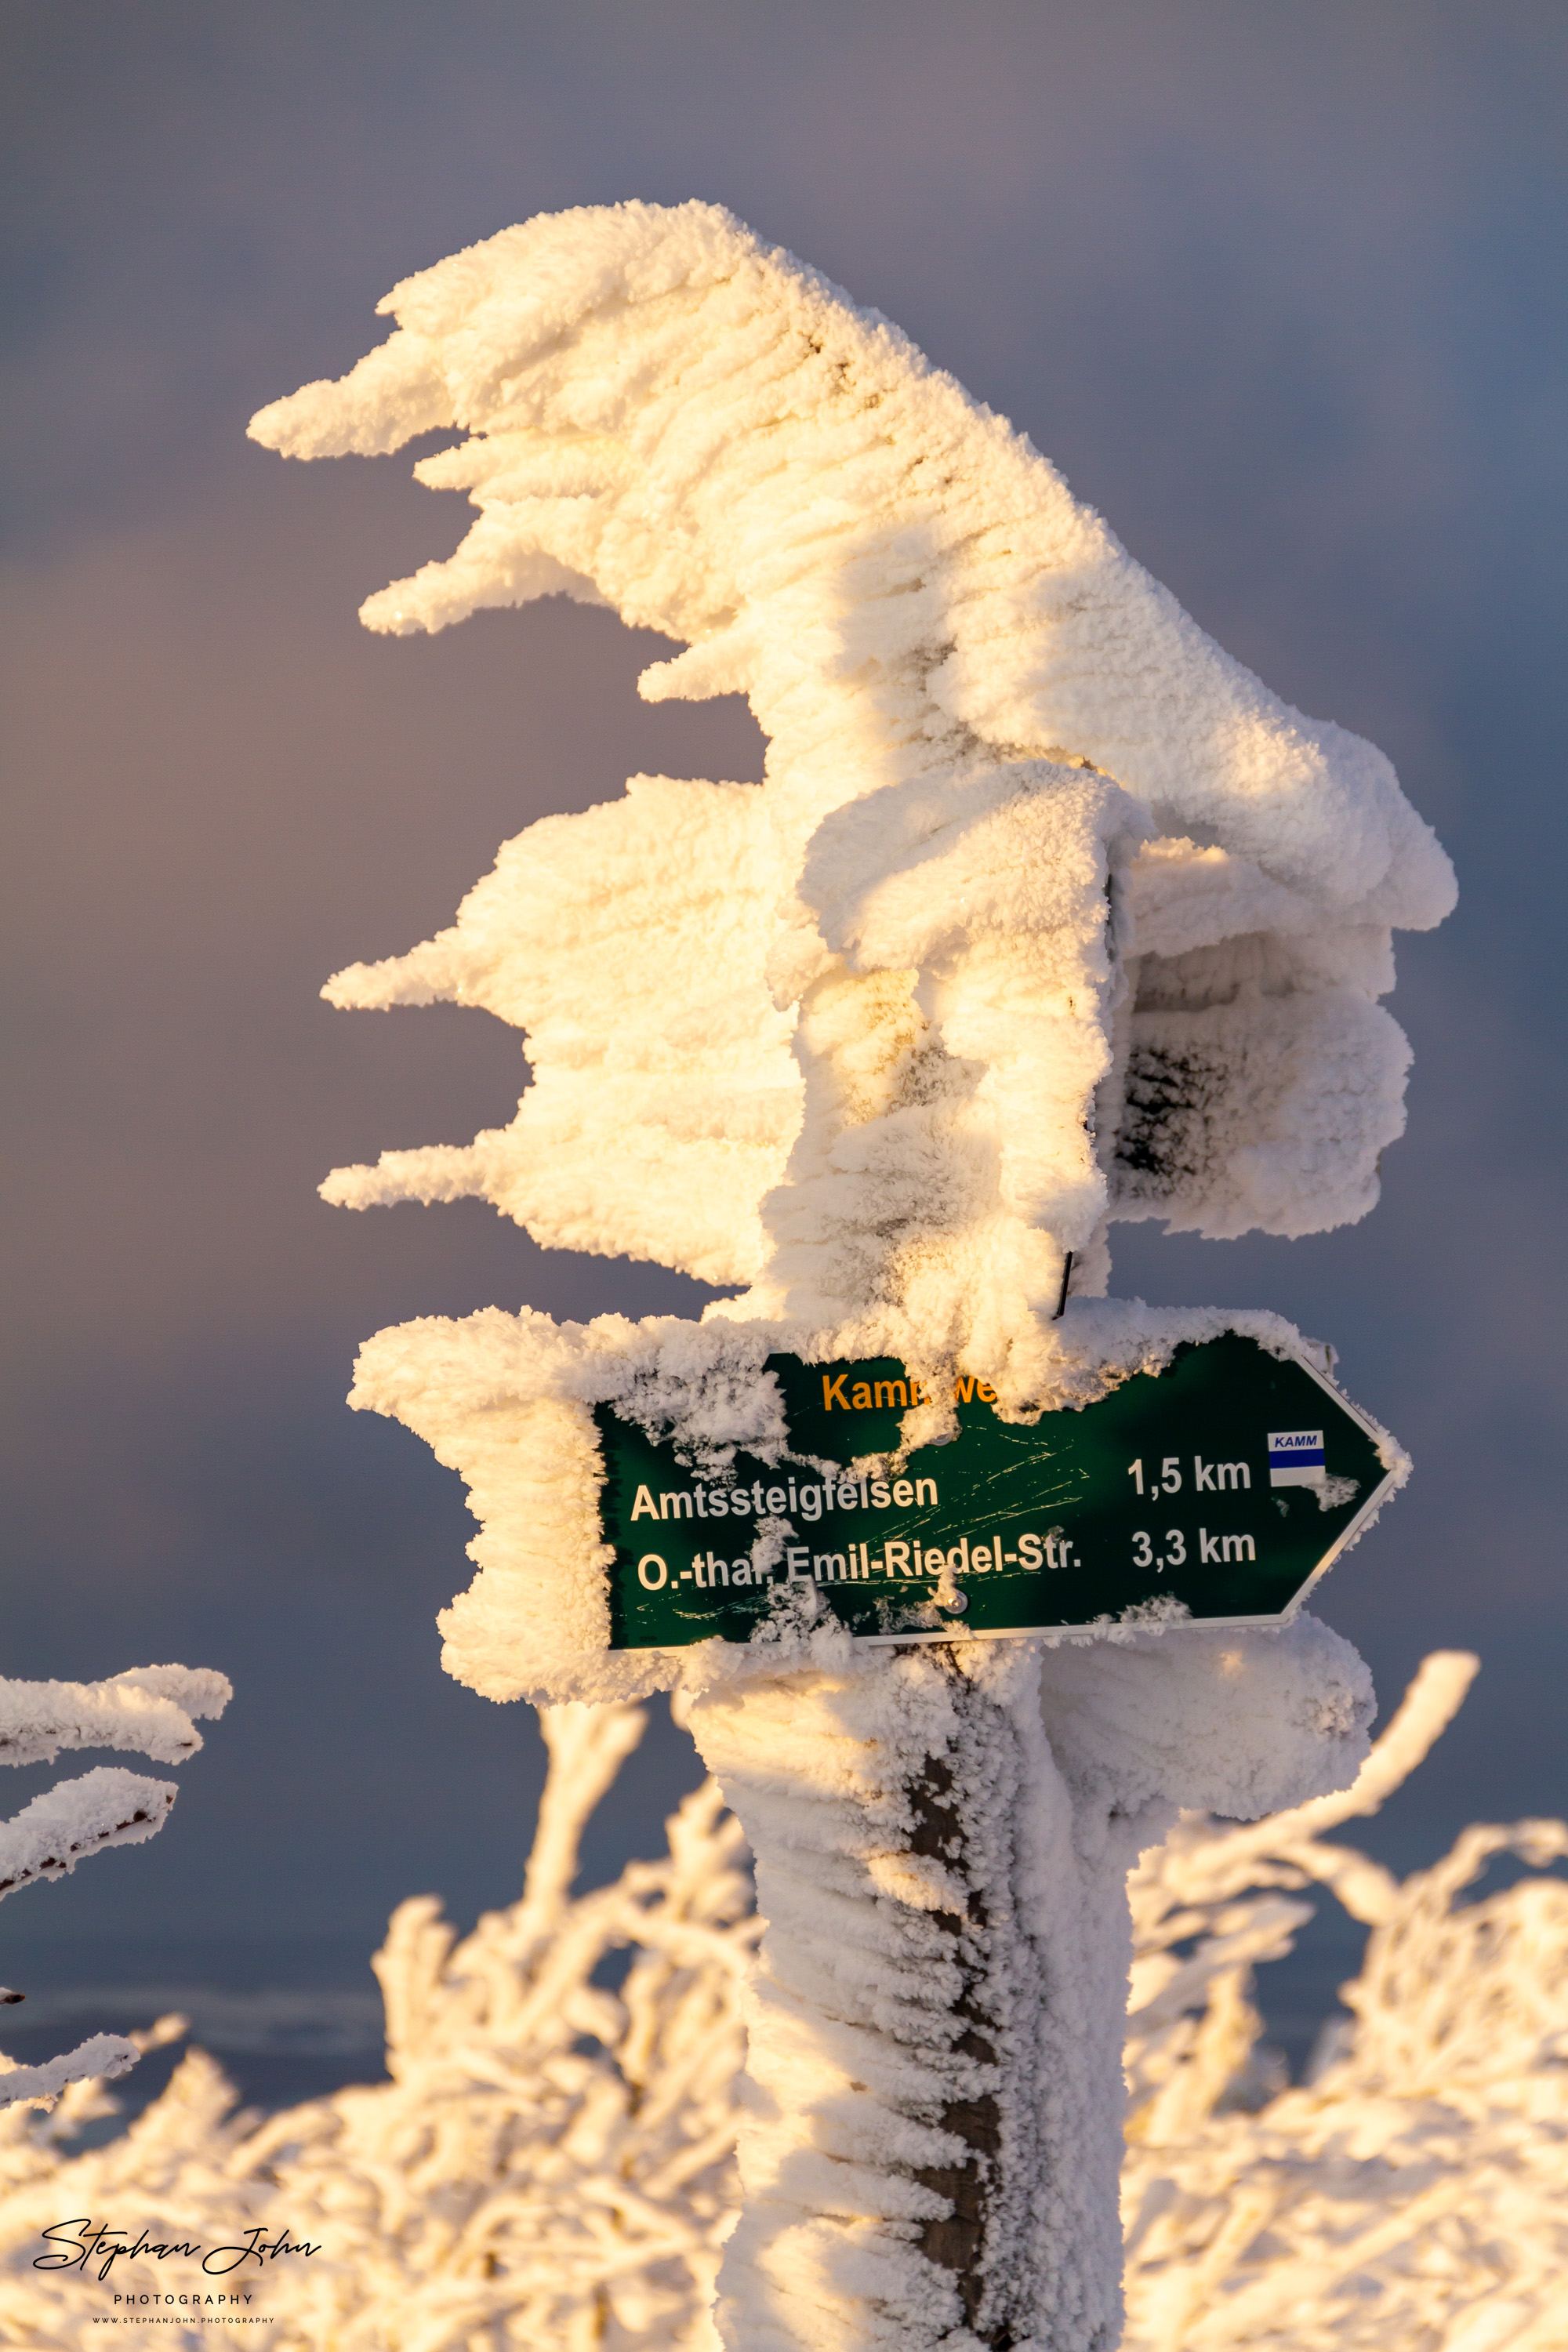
1296, 1457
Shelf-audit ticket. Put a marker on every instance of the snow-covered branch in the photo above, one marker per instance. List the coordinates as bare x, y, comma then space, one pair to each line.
101, 2059
75, 1818
147, 1710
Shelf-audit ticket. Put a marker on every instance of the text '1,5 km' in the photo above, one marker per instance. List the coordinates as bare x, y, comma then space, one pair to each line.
1222, 1487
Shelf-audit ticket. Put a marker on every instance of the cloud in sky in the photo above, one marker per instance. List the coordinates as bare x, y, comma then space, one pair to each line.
1282, 292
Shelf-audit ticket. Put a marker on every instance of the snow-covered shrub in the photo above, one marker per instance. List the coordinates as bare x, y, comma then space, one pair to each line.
1409, 2196
550, 2164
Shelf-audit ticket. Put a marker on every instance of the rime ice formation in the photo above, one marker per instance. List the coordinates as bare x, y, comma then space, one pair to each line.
1048, 913
933, 2124
146, 1710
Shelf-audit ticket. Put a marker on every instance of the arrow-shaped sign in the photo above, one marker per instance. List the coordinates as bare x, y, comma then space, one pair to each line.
1220, 1489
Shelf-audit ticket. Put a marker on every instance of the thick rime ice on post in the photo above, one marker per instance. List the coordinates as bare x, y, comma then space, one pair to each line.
1046, 914
932, 2132
147, 1711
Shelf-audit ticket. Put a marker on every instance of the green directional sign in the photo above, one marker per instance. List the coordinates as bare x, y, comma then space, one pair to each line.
1226, 1483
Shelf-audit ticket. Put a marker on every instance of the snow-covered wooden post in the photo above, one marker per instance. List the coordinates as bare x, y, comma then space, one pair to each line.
1046, 914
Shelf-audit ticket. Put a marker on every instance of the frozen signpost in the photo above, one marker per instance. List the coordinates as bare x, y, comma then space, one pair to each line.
1047, 914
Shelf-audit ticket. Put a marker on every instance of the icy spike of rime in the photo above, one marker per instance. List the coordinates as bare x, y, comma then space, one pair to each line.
1047, 912
933, 2121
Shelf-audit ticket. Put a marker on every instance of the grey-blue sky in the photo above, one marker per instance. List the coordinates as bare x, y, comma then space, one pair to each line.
1281, 289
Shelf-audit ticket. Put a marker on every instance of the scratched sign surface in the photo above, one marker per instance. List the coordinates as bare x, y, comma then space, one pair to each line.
1228, 1483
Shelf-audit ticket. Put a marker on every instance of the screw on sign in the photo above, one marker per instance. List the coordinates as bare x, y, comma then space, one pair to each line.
1047, 915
